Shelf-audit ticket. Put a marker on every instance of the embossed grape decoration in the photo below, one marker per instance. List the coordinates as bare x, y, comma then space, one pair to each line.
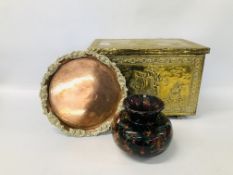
141, 128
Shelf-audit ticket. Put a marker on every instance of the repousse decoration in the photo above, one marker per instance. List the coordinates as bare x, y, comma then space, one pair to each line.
170, 69
81, 93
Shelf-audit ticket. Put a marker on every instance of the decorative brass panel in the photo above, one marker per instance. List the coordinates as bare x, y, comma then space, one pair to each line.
172, 72
175, 80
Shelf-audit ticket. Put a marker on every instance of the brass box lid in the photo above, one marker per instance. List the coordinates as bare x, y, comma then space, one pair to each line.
148, 46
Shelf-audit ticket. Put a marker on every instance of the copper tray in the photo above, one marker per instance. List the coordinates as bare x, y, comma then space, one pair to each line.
82, 92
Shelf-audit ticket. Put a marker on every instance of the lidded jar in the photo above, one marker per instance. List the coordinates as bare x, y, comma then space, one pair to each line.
141, 128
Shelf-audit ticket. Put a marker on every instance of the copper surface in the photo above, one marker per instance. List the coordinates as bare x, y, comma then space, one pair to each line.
84, 92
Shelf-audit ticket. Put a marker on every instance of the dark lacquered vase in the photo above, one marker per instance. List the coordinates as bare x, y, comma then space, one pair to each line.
141, 128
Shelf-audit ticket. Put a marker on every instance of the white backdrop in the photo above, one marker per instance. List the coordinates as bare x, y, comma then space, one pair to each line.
33, 33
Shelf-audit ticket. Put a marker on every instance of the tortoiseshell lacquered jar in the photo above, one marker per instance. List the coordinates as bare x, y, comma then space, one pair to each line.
141, 128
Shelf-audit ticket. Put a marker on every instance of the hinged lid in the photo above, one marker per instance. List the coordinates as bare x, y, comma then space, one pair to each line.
147, 46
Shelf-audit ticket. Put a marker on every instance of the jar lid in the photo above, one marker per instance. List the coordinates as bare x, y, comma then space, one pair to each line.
82, 92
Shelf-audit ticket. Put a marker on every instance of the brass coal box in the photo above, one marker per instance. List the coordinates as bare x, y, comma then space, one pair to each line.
168, 68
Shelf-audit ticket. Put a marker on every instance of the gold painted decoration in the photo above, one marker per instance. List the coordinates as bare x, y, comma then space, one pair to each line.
82, 92
168, 68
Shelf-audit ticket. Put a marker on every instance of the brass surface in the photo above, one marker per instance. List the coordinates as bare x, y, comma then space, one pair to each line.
84, 92
168, 68
147, 47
